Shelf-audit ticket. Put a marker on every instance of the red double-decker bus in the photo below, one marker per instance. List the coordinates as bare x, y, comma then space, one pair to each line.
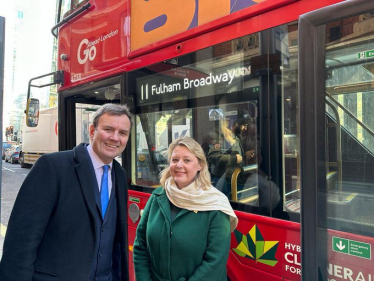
301, 73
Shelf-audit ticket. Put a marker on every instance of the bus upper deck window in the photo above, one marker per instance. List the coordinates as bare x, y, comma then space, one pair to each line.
77, 3
68, 6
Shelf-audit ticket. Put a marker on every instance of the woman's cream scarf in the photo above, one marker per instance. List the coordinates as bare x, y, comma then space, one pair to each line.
196, 199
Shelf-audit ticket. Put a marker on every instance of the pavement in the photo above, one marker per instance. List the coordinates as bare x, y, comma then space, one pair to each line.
2, 235
12, 179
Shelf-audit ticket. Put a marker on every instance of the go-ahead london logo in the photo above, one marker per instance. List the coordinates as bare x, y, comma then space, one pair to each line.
253, 246
88, 49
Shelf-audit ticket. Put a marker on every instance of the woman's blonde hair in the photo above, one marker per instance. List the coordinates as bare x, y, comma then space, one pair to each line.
202, 179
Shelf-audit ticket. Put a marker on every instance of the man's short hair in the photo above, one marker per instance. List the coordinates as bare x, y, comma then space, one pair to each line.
111, 109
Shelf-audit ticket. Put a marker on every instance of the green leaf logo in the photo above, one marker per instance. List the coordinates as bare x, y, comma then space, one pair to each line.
253, 246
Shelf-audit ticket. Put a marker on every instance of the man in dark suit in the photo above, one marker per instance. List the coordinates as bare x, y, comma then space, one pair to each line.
69, 221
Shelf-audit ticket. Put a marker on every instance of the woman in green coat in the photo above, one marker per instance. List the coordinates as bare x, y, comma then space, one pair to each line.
184, 231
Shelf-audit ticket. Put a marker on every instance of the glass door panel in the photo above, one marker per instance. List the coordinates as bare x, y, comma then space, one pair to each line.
349, 146
290, 125
350, 124
338, 164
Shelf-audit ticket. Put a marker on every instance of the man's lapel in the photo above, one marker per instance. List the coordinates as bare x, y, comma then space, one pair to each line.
86, 176
120, 186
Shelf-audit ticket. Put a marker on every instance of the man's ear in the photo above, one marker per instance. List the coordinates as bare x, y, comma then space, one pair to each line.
92, 131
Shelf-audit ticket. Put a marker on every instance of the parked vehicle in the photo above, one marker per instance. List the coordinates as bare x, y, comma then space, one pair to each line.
6, 146
12, 154
39, 140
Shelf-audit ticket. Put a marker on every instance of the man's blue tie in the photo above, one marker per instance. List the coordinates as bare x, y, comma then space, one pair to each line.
104, 193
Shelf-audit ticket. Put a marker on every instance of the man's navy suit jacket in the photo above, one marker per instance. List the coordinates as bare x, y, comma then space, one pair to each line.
51, 231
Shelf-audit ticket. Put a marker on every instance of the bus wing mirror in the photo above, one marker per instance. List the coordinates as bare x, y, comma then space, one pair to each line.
32, 112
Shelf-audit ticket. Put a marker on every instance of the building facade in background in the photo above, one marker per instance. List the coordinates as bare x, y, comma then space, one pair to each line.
30, 51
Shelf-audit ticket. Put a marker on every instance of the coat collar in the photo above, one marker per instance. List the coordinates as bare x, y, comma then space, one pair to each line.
120, 185
164, 204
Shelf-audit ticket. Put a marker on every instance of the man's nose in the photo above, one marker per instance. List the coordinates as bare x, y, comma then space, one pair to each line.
115, 136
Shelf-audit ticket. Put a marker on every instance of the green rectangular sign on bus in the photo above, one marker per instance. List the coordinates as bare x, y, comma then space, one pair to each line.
365, 55
351, 247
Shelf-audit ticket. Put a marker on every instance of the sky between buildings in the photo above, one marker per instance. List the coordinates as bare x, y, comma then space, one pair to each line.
28, 51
